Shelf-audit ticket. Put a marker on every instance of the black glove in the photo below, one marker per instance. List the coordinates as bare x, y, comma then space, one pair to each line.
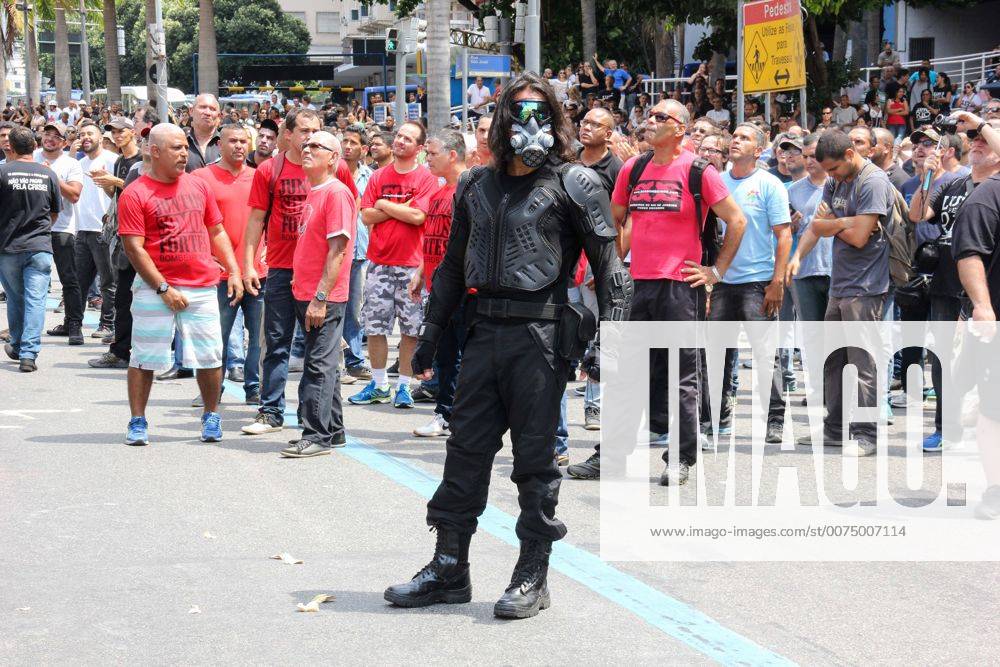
423, 355
590, 363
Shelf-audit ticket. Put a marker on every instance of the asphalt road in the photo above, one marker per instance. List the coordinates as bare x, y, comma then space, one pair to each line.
107, 550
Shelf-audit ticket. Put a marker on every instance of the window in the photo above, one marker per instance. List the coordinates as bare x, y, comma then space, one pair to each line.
364, 10
328, 22
920, 48
392, 5
298, 15
354, 15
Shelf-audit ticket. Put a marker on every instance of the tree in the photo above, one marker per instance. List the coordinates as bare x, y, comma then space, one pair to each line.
588, 17
112, 66
10, 27
208, 59
438, 63
62, 72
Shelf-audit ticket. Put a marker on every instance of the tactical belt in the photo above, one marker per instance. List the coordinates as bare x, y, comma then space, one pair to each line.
502, 309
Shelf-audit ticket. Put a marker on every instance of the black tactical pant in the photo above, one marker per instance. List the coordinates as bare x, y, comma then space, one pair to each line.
511, 379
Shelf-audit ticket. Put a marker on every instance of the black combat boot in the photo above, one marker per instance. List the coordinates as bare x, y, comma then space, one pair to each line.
529, 589
444, 579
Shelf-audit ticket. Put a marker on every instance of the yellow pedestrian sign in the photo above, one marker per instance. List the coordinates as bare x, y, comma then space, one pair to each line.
773, 46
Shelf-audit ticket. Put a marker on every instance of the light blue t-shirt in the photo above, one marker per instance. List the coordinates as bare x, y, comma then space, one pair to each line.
619, 75
764, 202
804, 198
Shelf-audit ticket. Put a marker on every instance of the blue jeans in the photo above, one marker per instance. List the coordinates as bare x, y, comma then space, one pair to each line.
354, 355
299, 343
279, 329
562, 430
25, 277
251, 308
234, 342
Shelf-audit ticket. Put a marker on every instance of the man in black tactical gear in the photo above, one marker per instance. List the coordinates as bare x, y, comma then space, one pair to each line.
518, 228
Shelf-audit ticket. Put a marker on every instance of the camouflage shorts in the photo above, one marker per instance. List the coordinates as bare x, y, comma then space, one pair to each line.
386, 299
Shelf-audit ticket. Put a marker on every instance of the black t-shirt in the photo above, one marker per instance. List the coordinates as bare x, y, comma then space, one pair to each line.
607, 169
921, 114
123, 165
976, 231
784, 178
945, 203
30, 195
610, 95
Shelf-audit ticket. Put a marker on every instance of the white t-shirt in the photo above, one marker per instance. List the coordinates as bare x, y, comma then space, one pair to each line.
94, 202
68, 170
478, 95
722, 116
560, 88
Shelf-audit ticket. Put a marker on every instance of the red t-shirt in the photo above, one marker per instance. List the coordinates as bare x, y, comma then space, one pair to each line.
396, 243
231, 194
330, 210
437, 227
664, 231
290, 193
174, 219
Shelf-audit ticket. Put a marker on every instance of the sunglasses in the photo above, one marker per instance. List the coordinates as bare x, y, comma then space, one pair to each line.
525, 110
993, 109
927, 143
709, 151
313, 145
664, 117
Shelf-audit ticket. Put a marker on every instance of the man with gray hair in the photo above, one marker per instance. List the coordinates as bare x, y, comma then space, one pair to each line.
321, 276
203, 137
446, 159
655, 213
753, 288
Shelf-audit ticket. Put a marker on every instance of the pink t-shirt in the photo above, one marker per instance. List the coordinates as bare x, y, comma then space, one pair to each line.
329, 210
664, 231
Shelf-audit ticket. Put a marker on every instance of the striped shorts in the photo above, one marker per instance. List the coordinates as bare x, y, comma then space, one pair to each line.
153, 326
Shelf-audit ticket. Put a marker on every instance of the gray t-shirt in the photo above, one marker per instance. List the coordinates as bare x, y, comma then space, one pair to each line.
860, 271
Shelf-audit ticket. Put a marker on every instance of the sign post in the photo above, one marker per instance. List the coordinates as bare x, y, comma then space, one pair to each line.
771, 47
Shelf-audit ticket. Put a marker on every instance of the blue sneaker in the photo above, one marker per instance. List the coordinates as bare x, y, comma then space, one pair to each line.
658, 438
403, 397
933, 442
137, 434
371, 394
211, 427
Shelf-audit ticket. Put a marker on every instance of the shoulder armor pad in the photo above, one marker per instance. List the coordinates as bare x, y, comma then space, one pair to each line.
585, 189
467, 177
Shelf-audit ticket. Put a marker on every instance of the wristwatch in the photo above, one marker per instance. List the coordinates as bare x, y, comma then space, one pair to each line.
162, 289
321, 297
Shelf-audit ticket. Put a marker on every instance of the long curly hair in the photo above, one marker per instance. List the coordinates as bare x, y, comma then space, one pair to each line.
503, 120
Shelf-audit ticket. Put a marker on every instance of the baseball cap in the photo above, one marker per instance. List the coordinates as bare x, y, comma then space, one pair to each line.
107, 135
570, 103
58, 127
927, 132
120, 123
790, 142
268, 124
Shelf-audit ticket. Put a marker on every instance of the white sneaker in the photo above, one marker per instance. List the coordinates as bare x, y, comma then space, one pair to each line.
899, 400
295, 364
434, 428
262, 424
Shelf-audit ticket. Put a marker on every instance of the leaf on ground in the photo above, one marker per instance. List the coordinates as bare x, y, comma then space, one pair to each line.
208, 536
315, 602
286, 558
194, 609
24, 609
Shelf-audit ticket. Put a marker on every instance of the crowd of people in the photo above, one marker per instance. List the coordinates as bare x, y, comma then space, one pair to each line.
200, 243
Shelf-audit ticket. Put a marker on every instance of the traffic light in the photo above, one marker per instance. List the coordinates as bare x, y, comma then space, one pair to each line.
391, 40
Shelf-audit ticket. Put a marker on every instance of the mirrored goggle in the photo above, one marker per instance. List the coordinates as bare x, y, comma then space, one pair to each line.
525, 110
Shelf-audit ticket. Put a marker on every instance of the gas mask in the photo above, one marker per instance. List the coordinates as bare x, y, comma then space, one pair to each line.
532, 138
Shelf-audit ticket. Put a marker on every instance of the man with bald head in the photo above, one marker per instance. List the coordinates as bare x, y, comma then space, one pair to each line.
320, 286
884, 157
658, 223
203, 137
171, 228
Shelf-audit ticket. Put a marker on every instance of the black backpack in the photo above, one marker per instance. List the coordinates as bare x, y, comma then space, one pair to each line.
710, 231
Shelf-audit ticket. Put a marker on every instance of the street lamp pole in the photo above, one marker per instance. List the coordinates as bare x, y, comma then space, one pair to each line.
533, 38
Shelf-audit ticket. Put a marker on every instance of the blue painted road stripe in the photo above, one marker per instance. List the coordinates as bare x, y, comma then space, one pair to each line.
680, 621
